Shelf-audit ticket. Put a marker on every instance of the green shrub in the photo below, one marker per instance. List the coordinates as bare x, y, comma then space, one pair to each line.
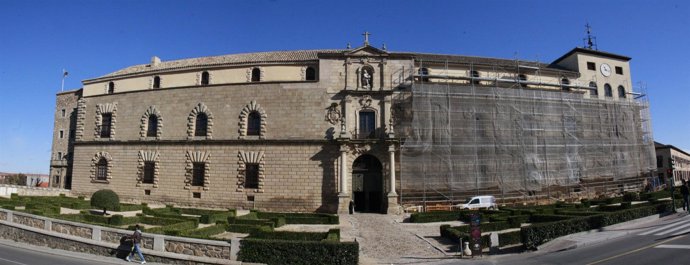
8, 207
173, 229
576, 213
333, 235
211, 218
631, 196
626, 205
149, 220
116, 219
608, 208
298, 252
537, 234
585, 203
301, 218
238, 228
129, 207
430, 217
98, 219
517, 220
287, 235
510, 238
105, 199
81, 197
206, 232
542, 218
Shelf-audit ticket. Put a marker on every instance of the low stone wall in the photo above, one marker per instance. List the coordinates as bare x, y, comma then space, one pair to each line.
7, 190
71, 236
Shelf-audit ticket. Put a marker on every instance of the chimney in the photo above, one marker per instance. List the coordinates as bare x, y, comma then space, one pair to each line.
155, 60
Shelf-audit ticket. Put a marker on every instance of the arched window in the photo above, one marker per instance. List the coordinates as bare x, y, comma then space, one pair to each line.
256, 75
423, 73
607, 90
310, 74
201, 124
565, 82
102, 169
254, 123
621, 92
593, 91
204, 78
474, 75
152, 127
156, 82
111, 88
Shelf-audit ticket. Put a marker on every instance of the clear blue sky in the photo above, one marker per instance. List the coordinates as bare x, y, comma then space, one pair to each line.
92, 38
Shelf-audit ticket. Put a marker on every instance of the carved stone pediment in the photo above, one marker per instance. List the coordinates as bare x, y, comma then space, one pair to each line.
366, 51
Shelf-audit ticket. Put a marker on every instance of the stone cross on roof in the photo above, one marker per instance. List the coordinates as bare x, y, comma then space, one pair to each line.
366, 37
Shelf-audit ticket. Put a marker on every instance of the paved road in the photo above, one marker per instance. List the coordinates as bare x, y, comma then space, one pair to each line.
12, 253
666, 241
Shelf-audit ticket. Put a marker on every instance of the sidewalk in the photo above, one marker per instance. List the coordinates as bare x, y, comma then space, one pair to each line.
69, 254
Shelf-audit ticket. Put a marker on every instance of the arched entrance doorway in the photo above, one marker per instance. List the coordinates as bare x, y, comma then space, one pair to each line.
367, 184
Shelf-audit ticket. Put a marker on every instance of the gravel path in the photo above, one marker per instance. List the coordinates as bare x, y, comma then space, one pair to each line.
383, 239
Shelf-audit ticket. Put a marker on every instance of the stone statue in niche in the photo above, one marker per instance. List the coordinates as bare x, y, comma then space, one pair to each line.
366, 78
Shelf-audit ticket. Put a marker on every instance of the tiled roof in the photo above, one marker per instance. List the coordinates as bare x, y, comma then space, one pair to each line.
257, 57
301, 55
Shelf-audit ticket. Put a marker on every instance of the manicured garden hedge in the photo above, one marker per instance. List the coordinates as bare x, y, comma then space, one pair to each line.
441, 216
206, 232
298, 252
510, 238
287, 235
537, 234
301, 218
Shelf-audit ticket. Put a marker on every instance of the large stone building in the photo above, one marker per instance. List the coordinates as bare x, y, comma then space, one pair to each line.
673, 165
308, 130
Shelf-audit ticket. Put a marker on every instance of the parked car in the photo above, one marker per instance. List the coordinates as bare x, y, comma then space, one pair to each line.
479, 202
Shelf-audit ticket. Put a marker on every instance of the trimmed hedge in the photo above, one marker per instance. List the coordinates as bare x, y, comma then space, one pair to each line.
173, 229
517, 220
206, 232
510, 238
301, 218
286, 235
246, 229
430, 217
543, 218
159, 220
537, 234
298, 252
212, 218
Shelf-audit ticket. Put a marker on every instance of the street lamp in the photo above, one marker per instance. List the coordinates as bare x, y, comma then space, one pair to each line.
673, 185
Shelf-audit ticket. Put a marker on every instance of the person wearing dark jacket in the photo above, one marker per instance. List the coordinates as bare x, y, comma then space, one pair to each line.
136, 240
685, 192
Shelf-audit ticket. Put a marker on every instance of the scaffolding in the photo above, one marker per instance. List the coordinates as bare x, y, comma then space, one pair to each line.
469, 135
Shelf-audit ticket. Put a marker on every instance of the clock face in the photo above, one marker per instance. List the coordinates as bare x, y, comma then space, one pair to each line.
605, 69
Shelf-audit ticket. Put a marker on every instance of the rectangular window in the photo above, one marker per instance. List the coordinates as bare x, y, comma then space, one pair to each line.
147, 192
659, 161
196, 195
591, 66
198, 174
251, 176
106, 122
367, 123
63, 113
59, 156
619, 70
149, 170
62, 134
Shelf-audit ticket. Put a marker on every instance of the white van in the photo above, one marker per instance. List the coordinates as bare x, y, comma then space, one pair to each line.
479, 202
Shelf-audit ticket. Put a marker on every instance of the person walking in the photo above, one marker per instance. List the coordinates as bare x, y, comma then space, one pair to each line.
136, 241
685, 192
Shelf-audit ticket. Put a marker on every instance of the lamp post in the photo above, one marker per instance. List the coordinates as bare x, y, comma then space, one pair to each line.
673, 185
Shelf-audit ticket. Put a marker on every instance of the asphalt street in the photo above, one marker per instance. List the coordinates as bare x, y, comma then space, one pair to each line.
666, 241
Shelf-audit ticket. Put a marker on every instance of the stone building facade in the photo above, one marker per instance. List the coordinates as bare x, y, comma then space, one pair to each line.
304, 131
673, 165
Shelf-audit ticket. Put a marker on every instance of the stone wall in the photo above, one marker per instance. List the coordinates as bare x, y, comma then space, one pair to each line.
60, 234
7, 190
